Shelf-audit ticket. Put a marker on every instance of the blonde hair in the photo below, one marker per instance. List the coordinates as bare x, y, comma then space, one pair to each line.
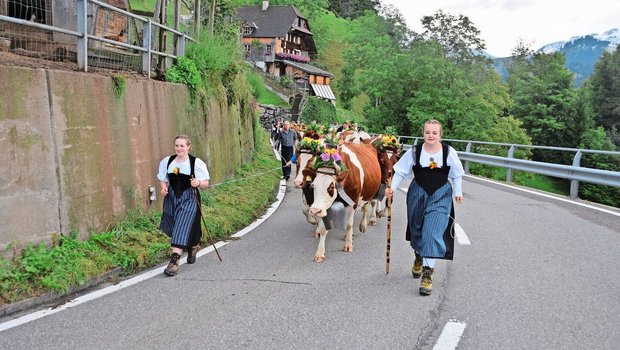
433, 122
188, 141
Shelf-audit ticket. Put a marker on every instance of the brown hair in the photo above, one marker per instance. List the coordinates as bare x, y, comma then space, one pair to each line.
184, 137
431, 122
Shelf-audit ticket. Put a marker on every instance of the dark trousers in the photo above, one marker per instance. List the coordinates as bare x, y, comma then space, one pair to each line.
286, 154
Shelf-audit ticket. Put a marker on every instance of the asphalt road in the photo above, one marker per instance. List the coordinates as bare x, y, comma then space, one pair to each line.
539, 274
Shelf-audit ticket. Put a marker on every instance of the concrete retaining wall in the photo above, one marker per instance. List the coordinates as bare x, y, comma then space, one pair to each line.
74, 156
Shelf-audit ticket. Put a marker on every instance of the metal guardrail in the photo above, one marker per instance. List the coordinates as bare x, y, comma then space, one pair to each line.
575, 172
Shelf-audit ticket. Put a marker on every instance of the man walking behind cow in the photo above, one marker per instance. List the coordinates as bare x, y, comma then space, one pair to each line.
286, 139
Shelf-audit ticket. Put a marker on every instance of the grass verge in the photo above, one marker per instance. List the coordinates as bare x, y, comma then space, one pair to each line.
135, 243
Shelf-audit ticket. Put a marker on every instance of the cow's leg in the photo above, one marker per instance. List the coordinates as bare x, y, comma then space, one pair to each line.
320, 229
348, 234
380, 212
373, 212
364, 220
319, 256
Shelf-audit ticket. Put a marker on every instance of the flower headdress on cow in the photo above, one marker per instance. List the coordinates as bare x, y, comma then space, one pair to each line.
387, 142
330, 158
314, 130
309, 145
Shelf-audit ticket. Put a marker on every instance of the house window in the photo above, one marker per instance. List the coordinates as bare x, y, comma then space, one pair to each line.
247, 30
247, 48
268, 49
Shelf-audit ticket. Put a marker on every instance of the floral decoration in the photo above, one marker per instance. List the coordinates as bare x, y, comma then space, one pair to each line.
330, 158
293, 57
176, 170
432, 164
388, 142
309, 144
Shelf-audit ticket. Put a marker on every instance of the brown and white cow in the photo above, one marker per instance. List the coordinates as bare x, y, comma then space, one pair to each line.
306, 159
357, 186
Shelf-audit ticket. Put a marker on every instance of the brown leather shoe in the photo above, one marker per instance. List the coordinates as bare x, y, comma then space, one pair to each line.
173, 266
191, 254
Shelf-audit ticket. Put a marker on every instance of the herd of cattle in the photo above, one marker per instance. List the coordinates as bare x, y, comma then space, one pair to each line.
341, 174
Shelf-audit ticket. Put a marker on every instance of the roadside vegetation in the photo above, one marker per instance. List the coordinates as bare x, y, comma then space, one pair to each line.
135, 243
393, 77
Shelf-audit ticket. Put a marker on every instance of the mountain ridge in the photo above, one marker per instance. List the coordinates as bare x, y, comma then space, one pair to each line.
581, 52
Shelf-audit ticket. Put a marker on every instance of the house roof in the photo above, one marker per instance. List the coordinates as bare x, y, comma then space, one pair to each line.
276, 21
308, 68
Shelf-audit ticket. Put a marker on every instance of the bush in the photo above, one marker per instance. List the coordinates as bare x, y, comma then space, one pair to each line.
184, 71
320, 111
286, 81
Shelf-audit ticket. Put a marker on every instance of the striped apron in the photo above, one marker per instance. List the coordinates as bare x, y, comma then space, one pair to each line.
180, 219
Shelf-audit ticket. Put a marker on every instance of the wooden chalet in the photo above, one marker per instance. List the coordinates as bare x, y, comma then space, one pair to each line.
278, 40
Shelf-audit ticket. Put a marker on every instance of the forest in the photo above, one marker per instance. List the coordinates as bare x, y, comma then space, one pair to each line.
388, 77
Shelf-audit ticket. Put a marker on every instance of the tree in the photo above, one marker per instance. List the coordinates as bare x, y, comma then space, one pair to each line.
457, 35
543, 99
353, 8
605, 82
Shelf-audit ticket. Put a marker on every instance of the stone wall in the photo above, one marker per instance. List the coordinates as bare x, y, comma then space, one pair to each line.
75, 157
269, 113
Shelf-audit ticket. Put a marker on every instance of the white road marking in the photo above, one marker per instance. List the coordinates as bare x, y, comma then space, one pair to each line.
450, 336
141, 277
547, 195
461, 237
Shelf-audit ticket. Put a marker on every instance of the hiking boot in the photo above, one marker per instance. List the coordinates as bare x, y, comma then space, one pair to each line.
426, 284
173, 266
416, 270
191, 254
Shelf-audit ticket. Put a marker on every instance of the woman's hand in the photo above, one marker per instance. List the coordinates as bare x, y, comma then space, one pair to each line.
389, 192
164, 190
194, 182
459, 199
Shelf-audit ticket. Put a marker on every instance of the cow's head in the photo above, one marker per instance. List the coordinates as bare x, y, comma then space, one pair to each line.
305, 160
324, 185
387, 159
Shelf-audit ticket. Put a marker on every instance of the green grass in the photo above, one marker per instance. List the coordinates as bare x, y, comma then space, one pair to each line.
262, 94
135, 243
535, 181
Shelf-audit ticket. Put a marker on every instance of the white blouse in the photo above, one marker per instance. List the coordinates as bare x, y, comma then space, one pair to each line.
404, 167
200, 169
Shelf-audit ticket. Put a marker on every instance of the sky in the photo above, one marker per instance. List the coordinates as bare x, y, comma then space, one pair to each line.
503, 22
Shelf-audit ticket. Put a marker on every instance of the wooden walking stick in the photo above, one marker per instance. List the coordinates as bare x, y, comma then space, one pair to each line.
388, 205
205, 225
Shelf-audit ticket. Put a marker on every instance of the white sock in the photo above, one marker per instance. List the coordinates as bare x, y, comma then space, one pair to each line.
429, 262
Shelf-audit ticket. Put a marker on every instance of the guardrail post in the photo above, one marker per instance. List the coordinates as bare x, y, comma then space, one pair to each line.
511, 153
574, 184
467, 150
82, 27
146, 43
181, 46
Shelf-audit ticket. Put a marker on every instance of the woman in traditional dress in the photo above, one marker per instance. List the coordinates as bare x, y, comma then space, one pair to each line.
430, 211
179, 177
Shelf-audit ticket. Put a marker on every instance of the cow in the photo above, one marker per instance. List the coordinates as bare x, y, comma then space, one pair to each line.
306, 158
356, 186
